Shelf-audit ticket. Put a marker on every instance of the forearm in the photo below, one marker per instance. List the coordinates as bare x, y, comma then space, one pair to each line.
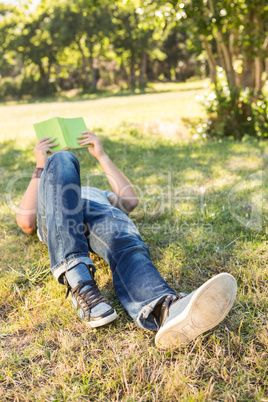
124, 196
120, 184
27, 211
26, 214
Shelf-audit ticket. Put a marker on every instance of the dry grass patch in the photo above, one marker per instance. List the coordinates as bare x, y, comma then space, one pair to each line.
193, 232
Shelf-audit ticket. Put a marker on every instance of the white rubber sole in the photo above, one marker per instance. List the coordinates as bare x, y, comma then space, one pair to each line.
103, 321
207, 308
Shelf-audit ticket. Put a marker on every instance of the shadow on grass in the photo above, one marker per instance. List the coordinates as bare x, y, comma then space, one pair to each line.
192, 235
39, 337
167, 177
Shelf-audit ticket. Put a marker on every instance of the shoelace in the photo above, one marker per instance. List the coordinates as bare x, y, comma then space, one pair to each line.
89, 297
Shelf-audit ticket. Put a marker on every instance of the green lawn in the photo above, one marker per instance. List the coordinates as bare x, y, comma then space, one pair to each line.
203, 210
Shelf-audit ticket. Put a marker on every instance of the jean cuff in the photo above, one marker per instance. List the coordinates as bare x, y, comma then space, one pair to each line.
70, 262
145, 319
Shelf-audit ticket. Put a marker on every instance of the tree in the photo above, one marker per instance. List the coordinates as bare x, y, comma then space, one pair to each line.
235, 51
7, 24
85, 25
140, 28
229, 24
36, 45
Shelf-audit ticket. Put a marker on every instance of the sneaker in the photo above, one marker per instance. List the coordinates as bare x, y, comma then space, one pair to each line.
183, 320
92, 307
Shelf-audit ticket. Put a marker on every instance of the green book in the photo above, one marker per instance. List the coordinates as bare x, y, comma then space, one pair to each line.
65, 131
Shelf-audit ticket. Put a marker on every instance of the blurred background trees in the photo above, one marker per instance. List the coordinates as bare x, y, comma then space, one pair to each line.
91, 44
233, 34
65, 44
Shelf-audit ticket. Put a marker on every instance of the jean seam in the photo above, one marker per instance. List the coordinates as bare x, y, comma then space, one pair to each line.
121, 280
55, 203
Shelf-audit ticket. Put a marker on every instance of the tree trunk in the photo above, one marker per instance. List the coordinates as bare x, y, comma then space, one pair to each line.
143, 65
227, 60
47, 75
258, 74
123, 72
225, 52
42, 71
265, 46
248, 75
258, 23
84, 64
132, 71
220, 55
234, 49
94, 78
211, 60
93, 73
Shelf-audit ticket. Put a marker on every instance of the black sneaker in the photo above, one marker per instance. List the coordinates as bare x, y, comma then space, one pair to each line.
92, 307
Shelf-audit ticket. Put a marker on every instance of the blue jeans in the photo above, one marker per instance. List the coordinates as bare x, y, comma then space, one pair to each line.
72, 227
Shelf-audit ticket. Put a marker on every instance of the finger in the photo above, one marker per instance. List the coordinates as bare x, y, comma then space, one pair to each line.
88, 145
40, 142
44, 147
87, 138
85, 142
88, 132
46, 143
93, 140
88, 135
50, 140
45, 139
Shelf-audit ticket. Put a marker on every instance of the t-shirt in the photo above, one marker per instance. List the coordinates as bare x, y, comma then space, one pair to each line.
95, 194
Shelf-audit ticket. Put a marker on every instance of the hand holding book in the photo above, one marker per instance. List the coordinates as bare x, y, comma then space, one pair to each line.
93, 143
64, 131
42, 149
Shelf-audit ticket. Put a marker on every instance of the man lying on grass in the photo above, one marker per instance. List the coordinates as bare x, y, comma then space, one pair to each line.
73, 221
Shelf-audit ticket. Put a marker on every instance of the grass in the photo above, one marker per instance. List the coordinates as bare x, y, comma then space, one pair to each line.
203, 210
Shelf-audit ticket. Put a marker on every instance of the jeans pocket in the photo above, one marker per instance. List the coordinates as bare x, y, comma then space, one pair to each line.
118, 214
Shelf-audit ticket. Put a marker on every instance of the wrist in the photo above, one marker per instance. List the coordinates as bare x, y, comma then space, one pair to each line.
37, 172
40, 163
102, 158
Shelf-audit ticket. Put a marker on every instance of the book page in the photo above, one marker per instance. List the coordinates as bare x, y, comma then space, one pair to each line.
51, 128
72, 129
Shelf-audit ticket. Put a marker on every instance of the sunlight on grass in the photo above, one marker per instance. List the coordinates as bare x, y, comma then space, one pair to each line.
104, 113
196, 210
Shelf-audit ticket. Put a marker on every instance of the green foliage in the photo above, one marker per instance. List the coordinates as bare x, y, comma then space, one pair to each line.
113, 42
10, 87
21, 87
235, 113
233, 35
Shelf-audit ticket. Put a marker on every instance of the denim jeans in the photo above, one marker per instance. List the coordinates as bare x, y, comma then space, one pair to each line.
72, 227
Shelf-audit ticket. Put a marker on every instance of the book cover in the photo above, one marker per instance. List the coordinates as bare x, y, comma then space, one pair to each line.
64, 130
